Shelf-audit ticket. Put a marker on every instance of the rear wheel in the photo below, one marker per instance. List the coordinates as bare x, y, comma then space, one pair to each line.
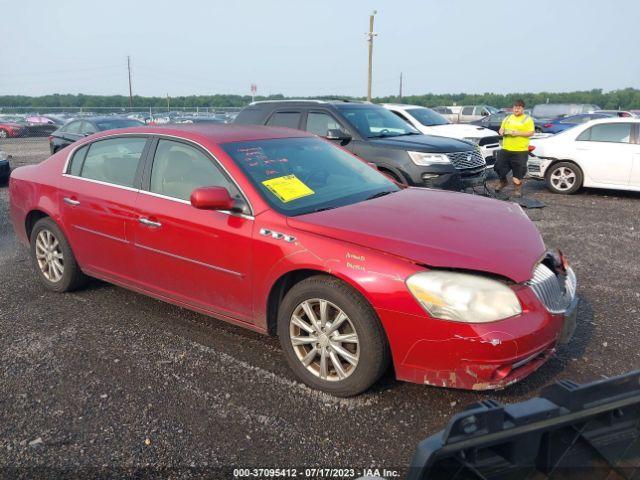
53, 259
564, 178
331, 337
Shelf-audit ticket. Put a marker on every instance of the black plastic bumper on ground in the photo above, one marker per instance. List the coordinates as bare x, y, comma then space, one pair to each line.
5, 171
570, 431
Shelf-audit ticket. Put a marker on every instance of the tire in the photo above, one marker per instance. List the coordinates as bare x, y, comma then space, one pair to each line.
394, 176
3, 134
48, 243
564, 178
370, 350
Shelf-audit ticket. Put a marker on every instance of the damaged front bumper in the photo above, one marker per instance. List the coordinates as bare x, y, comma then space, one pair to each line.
479, 356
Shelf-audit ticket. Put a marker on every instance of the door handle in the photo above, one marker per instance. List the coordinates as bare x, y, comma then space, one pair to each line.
149, 223
71, 201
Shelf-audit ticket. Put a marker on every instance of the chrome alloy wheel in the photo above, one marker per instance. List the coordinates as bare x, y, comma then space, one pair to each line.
324, 339
49, 256
563, 178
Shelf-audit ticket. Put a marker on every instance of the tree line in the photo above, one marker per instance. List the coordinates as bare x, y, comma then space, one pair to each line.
628, 98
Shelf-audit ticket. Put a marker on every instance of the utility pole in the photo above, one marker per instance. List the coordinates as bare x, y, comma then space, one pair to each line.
400, 95
370, 36
168, 109
130, 91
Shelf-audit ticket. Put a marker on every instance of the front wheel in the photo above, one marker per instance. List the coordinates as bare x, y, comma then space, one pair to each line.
331, 337
564, 178
53, 259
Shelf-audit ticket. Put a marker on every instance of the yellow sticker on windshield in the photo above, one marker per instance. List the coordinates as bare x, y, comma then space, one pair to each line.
288, 188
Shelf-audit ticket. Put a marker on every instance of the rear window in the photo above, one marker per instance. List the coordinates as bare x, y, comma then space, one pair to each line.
250, 116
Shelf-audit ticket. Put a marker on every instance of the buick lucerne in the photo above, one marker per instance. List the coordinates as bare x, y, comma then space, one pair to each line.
285, 233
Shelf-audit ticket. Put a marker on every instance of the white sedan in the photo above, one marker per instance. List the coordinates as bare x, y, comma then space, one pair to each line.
602, 153
430, 122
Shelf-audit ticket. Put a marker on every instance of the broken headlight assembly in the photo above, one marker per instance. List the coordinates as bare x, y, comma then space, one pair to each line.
463, 297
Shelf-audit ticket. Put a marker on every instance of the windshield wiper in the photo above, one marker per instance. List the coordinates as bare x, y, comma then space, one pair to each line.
380, 194
386, 135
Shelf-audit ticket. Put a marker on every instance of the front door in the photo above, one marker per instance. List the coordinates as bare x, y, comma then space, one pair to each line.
198, 257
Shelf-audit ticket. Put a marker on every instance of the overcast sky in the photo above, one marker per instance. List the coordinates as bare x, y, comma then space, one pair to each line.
305, 48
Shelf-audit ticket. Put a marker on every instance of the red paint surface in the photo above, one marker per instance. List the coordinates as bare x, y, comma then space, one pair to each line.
373, 246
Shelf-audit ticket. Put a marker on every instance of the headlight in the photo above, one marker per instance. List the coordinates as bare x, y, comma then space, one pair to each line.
472, 140
426, 159
463, 297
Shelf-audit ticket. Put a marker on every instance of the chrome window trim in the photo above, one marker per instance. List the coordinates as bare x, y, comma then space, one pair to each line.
148, 136
100, 182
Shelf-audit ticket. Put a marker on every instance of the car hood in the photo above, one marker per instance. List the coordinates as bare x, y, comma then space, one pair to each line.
460, 130
438, 229
423, 143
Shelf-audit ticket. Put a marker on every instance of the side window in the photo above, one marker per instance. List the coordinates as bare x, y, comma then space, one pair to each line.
76, 161
73, 127
478, 110
87, 128
178, 169
608, 132
467, 111
320, 123
114, 160
285, 119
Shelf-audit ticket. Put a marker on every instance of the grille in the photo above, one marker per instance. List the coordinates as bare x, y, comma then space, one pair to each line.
495, 140
556, 292
464, 160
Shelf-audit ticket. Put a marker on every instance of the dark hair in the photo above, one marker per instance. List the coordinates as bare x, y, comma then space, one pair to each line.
519, 103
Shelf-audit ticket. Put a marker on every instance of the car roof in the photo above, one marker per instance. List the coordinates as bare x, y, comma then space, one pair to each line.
214, 132
308, 102
612, 120
403, 105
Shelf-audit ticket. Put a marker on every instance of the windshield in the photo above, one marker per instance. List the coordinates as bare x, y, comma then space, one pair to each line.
117, 123
492, 110
376, 122
427, 117
303, 175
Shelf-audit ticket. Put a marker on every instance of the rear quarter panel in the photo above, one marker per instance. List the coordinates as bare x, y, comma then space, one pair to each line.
35, 187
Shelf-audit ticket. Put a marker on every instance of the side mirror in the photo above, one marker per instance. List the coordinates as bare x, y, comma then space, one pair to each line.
337, 134
485, 113
212, 198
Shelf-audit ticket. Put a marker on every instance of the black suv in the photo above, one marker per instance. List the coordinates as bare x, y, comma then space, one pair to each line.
378, 136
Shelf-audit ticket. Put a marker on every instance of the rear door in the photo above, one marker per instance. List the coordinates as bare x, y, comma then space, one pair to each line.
198, 257
97, 197
605, 153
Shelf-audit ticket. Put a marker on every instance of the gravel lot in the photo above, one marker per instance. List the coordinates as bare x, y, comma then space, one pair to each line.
107, 380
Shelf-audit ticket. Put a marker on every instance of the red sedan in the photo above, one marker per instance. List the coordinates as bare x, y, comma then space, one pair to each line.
10, 129
284, 233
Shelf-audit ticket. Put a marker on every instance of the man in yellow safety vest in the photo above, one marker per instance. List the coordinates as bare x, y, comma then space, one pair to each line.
516, 130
